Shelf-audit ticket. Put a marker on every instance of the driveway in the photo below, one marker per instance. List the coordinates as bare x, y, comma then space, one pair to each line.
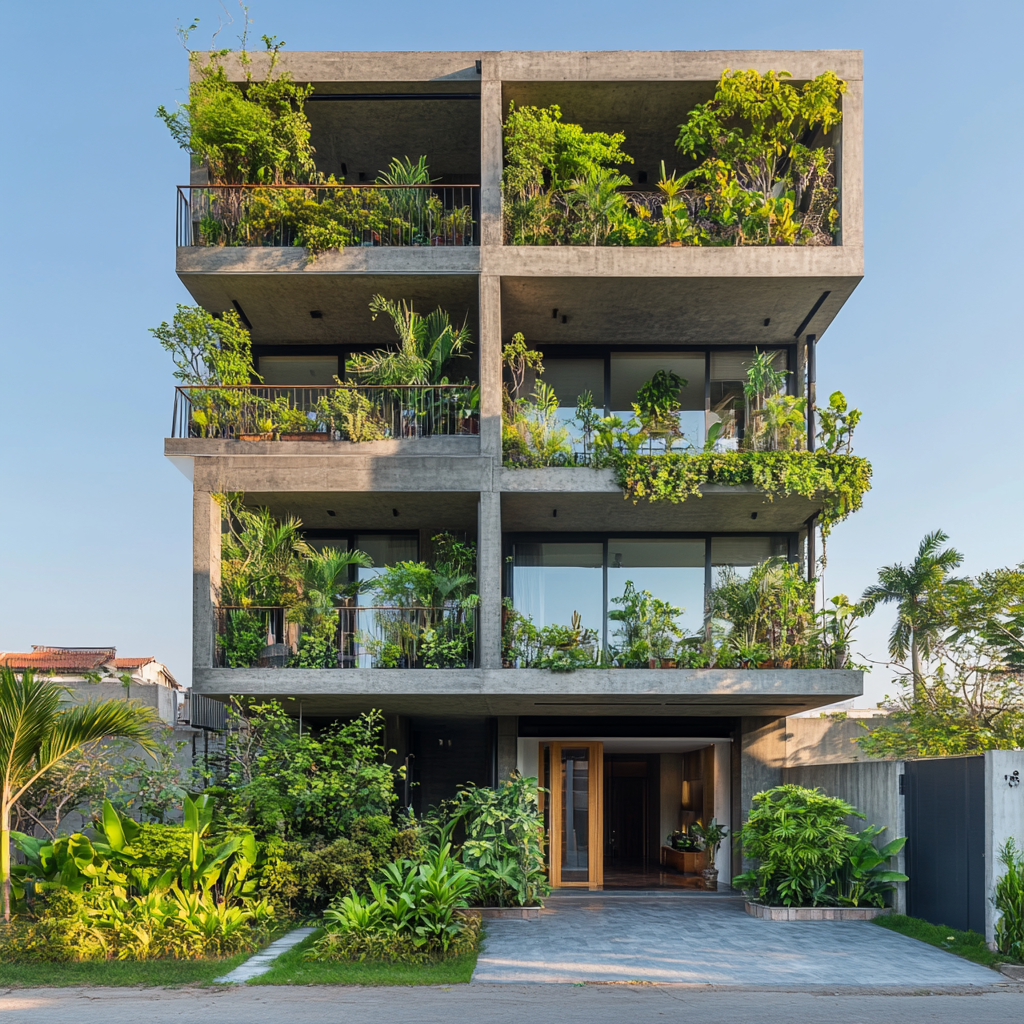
707, 939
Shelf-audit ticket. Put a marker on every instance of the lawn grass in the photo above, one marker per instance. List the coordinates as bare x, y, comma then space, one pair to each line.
118, 973
969, 945
291, 969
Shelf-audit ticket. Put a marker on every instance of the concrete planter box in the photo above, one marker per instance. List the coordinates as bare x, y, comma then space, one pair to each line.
814, 913
501, 913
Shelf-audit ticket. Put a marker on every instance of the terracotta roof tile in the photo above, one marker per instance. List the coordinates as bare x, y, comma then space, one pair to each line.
132, 662
57, 660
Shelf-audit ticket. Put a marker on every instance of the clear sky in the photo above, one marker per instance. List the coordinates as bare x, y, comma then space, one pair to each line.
95, 536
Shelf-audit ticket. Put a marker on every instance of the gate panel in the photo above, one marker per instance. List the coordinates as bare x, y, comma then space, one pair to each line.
945, 814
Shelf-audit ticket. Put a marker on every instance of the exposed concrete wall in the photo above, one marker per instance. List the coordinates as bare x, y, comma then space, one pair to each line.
490, 373
488, 573
827, 740
762, 756
508, 746
206, 534
873, 788
491, 156
1004, 819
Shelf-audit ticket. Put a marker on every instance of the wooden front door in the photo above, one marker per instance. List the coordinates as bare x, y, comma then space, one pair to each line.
573, 808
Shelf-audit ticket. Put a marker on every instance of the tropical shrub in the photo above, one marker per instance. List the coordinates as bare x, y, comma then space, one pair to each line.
808, 856
760, 174
503, 840
1009, 902
411, 914
138, 892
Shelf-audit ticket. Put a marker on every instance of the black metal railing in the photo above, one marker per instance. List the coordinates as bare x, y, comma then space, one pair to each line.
349, 636
339, 412
322, 217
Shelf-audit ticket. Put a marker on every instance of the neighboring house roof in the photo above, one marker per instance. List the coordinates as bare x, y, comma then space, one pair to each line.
59, 659
132, 662
77, 660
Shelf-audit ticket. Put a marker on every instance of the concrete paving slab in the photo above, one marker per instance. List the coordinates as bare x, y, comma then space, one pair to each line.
262, 961
710, 940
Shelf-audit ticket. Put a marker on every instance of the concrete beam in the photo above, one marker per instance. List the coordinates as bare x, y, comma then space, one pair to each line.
206, 535
488, 574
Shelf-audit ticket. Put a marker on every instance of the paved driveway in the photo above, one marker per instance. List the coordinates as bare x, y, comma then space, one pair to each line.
706, 939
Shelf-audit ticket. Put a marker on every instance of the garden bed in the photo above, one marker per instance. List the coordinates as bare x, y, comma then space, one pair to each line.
814, 913
291, 969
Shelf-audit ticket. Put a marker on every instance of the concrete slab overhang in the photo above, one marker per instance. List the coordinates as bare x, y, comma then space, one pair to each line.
669, 692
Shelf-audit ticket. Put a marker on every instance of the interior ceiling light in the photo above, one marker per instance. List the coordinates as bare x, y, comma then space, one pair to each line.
753, 515
394, 511
767, 320
331, 512
316, 314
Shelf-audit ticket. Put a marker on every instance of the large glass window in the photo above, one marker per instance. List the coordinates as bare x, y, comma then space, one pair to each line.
630, 371
570, 379
740, 554
554, 579
385, 549
728, 402
672, 570
295, 370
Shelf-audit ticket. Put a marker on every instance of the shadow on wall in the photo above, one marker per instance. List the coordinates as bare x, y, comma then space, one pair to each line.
828, 740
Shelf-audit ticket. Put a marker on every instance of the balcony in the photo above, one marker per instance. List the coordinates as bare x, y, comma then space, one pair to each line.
348, 637
343, 412
324, 217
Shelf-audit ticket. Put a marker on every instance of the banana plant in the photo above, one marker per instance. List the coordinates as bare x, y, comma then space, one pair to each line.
865, 877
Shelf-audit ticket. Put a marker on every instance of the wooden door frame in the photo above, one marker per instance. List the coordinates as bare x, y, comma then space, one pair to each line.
595, 798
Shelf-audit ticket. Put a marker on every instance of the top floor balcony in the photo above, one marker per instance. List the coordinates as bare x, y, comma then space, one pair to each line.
322, 217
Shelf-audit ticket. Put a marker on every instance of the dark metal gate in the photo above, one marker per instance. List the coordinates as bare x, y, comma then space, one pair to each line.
945, 814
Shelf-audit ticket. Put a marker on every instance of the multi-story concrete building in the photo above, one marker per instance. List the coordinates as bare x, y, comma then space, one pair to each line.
656, 748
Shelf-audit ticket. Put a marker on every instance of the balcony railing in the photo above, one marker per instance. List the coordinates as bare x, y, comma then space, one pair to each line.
346, 637
323, 217
341, 412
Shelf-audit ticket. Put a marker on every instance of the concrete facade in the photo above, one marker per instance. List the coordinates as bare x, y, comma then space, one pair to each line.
627, 297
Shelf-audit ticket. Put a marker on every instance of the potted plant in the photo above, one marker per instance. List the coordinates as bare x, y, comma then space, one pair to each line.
709, 839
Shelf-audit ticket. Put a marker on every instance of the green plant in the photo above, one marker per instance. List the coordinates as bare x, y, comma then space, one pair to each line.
244, 639
648, 627
1009, 902
504, 841
411, 914
709, 838
567, 648
808, 857
754, 164
427, 346
839, 482
252, 133
304, 786
865, 876
352, 414
38, 731
838, 423
970, 945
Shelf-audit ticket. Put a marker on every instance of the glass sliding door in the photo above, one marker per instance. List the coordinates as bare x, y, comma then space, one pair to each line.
553, 579
630, 371
574, 817
571, 379
672, 570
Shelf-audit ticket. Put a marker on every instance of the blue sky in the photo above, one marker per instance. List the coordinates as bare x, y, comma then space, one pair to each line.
96, 525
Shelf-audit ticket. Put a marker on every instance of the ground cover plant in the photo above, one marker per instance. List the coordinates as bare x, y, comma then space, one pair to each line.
761, 172
809, 857
294, 968
118, 973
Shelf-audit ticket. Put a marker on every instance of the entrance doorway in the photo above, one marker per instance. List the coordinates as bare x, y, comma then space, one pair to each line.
617, 818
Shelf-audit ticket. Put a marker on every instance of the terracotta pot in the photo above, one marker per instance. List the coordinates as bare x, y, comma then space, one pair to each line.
710, 876
766, 664
254, 437
320, 435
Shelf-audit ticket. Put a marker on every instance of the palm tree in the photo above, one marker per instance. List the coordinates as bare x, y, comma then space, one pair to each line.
38, 730
917, 590
426, 345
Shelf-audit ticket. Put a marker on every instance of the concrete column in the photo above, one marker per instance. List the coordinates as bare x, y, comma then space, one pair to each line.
206, 527
762, 758
488, 574
491, 231
490, 366
723, 809
508, 746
